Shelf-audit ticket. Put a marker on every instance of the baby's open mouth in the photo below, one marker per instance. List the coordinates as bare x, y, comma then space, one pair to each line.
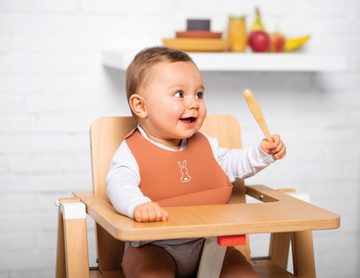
188, 119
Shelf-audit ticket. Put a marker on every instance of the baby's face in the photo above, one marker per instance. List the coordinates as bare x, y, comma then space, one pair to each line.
174, 102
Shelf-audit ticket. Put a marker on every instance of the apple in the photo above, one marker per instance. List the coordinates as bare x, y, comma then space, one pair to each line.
277, 42
259, 41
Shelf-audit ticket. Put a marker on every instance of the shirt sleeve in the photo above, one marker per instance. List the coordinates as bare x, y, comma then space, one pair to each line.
240, 163
122, 182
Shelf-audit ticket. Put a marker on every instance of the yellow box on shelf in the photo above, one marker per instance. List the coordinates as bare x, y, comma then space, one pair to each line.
197, 44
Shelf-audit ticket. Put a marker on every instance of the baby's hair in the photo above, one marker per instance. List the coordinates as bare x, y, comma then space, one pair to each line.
136, 73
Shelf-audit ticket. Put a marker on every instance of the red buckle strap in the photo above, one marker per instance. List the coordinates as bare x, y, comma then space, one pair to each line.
234, 240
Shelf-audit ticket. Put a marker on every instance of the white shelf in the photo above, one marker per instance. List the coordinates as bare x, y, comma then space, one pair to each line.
227, 61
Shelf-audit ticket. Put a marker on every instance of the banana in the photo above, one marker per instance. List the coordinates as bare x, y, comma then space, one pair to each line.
297, 42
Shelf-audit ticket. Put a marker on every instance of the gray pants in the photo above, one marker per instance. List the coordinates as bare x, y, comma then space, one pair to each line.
185, 252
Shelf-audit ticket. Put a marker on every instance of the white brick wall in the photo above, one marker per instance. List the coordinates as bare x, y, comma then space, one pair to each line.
52, 86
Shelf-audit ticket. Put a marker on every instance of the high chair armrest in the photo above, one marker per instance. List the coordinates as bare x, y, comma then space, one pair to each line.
278, 213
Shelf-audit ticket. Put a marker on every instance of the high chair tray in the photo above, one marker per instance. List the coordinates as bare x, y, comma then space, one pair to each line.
278, 213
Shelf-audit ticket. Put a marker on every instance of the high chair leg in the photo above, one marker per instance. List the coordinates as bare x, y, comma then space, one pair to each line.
303, 249
303, 255
279, 248
72, 240
211, 259
60, 271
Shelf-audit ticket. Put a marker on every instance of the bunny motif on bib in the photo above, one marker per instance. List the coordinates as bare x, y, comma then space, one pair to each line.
185, 177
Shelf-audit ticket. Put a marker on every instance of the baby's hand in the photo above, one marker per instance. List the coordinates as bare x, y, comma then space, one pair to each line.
276, 148
150, 212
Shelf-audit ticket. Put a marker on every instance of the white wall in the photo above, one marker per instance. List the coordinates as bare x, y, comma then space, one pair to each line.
53, 85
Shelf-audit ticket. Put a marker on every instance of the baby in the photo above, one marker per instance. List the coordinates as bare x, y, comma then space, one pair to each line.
165, 161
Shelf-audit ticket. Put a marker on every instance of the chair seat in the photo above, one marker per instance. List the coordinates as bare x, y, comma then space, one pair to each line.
266, 268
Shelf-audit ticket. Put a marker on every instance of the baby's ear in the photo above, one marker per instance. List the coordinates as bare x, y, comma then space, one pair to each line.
137, 105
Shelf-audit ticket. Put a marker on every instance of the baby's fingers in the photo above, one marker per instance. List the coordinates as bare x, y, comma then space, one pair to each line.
270, 146
281, 153
278, 147
152, 214
149, 212
157, 214
140, 215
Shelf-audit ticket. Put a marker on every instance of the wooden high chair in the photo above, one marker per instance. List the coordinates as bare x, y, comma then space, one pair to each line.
288, 219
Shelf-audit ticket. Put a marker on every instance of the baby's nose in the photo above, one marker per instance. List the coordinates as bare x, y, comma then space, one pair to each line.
193, 104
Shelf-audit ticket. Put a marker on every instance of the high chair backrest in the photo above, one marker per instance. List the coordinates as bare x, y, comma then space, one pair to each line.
106, 135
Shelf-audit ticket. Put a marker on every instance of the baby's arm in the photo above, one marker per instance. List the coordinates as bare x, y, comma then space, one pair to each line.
240, 163
123, 189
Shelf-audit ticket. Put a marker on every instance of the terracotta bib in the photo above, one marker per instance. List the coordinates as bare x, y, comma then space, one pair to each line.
188, 177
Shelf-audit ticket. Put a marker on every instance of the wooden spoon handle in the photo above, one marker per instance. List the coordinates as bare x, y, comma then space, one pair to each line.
258, 115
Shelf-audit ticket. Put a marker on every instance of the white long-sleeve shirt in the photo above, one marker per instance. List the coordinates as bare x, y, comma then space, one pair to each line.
123, 179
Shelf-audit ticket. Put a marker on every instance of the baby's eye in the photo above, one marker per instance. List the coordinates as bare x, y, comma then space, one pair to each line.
179, 94
200, 95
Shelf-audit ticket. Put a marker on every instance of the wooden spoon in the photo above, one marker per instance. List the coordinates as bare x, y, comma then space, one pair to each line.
258, 115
